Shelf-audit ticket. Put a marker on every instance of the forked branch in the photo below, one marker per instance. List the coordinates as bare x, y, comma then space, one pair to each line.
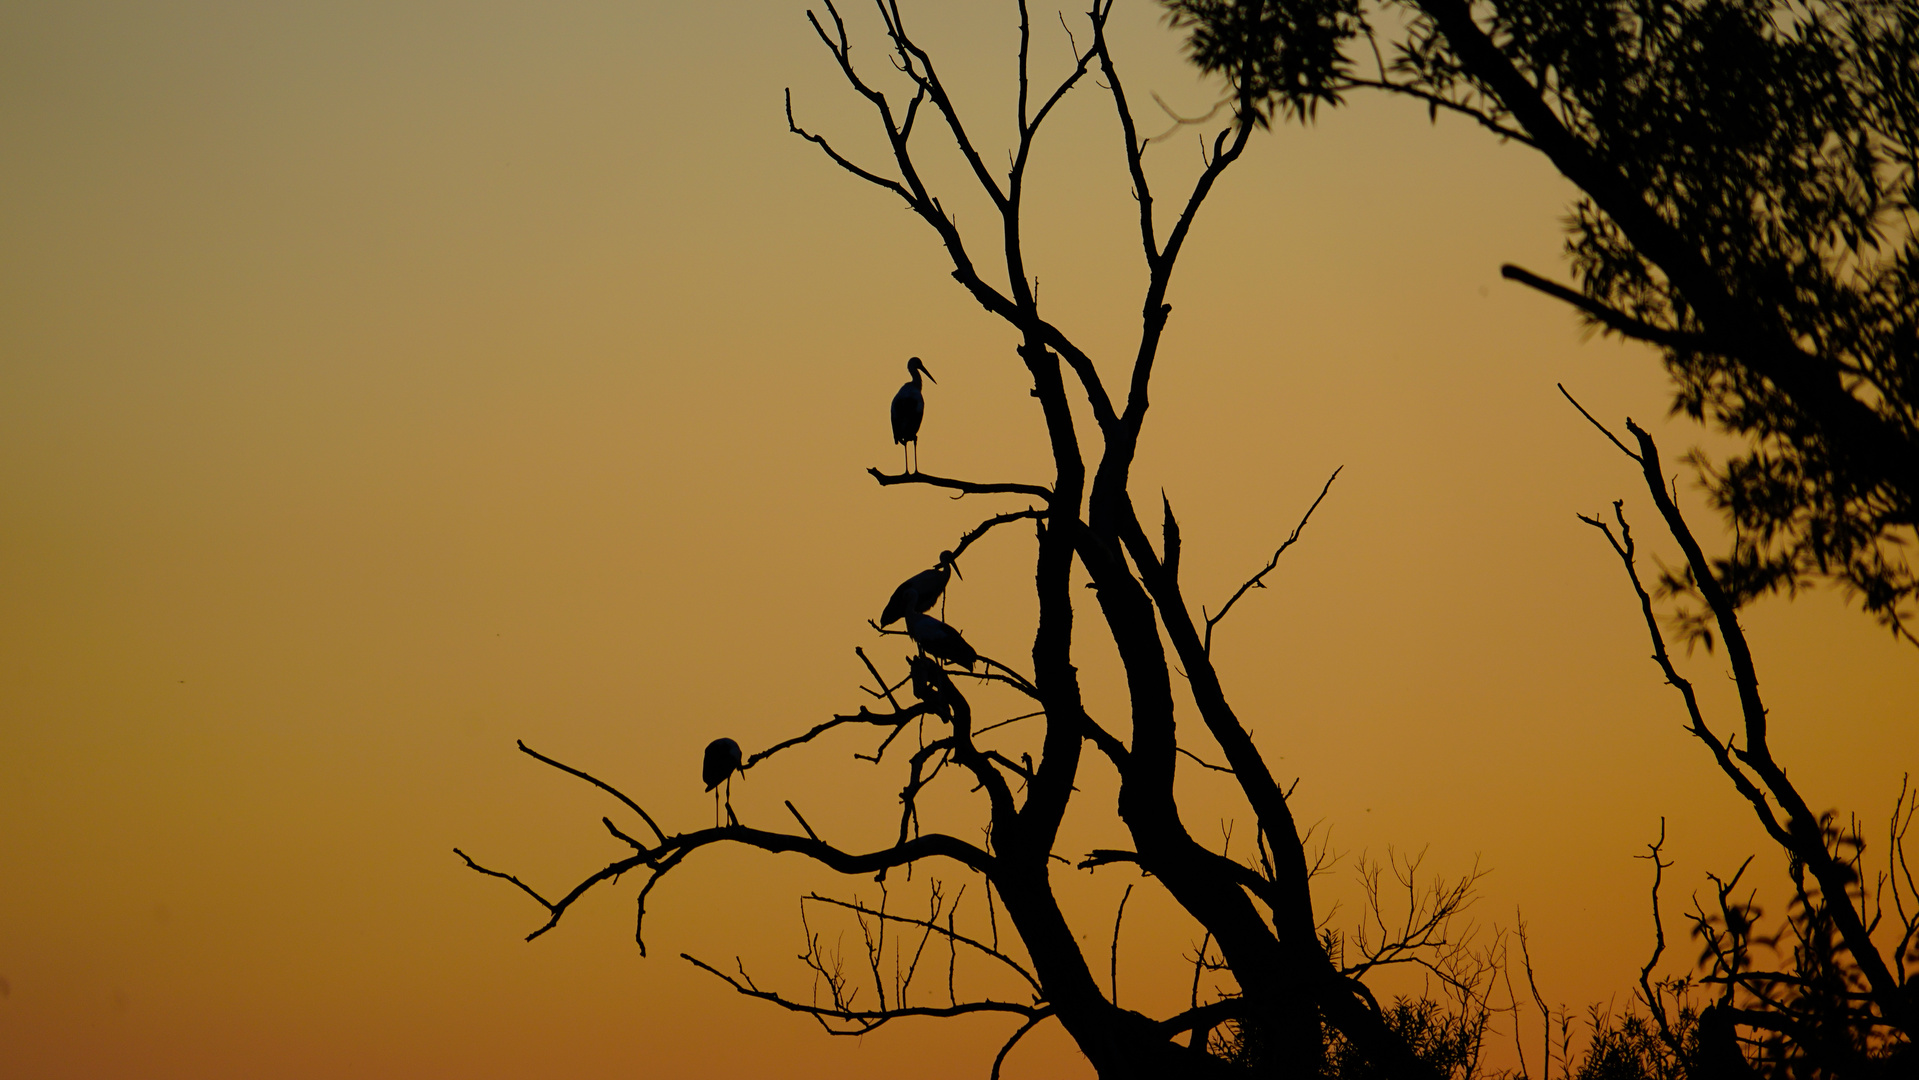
671, 852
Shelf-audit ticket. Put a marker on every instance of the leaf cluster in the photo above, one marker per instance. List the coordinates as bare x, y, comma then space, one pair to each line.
1748, 173
1279, 57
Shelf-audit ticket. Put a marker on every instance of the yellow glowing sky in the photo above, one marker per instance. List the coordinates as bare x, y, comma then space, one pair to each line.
380, 383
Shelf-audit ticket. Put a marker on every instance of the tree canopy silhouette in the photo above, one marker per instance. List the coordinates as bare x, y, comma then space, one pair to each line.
1747, 179
1747, 175
1746, 172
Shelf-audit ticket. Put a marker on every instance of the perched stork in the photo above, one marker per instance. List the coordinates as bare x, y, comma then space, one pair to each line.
722, 760
940, 640
930, 683
909, 408
918, 592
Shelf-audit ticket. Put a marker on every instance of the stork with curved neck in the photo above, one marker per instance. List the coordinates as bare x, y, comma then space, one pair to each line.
909, 408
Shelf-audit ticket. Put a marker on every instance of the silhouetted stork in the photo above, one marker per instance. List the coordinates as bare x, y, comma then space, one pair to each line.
930, 683
940, 640
909, 408
722, 760
918, 592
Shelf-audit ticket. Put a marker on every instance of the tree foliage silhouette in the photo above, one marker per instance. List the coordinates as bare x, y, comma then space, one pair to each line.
1747, 172
1841, 1001
1289, 992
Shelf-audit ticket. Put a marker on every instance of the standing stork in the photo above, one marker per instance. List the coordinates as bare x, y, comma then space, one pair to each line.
722, 760
918, 592
940, 641
909, 408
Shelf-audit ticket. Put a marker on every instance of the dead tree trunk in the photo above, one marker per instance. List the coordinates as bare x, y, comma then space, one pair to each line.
1287, 994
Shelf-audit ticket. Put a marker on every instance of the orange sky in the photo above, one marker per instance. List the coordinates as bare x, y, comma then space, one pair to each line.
380, 383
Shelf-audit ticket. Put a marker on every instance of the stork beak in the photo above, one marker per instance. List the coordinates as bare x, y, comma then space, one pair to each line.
928, 374
954, 566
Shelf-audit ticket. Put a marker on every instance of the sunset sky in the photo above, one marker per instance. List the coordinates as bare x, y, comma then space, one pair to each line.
381, 383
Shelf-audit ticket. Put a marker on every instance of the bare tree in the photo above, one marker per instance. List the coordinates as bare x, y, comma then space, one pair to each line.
1837, 997
1283, 993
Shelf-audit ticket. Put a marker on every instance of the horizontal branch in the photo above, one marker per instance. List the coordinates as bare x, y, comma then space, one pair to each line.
984, 527
864, 716
1617, 321
1203, 1017
1107, 856
864, 1020
1437, 101
964, 487
674, 849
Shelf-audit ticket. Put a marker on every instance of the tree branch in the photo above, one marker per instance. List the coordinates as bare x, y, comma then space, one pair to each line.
966, 540
1436, 102
895, 719
841, 160
863, 1020
964, 487
596, 782
1032, 980
1623, 546
1257, 580
1032, 1022
1612, 319
674, 849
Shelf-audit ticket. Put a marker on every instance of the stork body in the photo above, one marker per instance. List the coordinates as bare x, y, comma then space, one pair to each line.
940, 640
918, 592
909, 408
723, 759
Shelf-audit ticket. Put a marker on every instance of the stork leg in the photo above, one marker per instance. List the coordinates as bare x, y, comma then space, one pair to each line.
716, 807
905, 462
730, 819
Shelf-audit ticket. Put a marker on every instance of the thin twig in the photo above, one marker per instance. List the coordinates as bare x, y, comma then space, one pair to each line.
1118, 916
596, 782
1256, 580
524, 887
1603, 430
863, 1020
1009, 720
1203, 762
885, 690
857, 907
1652, 1000
895, 720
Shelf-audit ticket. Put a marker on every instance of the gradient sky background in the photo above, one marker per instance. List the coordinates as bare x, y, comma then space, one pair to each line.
383, 382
